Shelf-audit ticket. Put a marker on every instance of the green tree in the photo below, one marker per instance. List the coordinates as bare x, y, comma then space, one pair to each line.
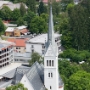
20, 21
34, 57
2, 27
38, 25
32, 5
16, 14
28, 17
44, 16
22, 9
6, 13
42, 8
56, 8
64, 4
79, 81
78, 27
19, 86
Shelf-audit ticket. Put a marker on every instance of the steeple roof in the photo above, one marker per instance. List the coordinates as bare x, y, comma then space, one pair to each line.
51, 39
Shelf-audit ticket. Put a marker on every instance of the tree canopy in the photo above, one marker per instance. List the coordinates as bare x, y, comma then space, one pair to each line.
19, 86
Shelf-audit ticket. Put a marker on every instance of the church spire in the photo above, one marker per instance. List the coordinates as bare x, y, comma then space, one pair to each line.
51, 39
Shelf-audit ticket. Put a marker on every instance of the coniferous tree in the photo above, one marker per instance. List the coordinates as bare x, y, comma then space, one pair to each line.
42, 8
32, 5
22, 9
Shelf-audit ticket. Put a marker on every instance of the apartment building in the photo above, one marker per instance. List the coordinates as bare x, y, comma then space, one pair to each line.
6, 53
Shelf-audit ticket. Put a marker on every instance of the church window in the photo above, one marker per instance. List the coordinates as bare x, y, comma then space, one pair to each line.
50, 87
49, 62
48, 74
51, 75
52, 62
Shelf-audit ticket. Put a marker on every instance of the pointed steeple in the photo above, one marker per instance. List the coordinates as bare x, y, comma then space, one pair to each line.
51, 39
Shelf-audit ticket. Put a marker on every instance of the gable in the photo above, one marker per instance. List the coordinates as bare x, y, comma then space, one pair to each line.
26, 83
50, 51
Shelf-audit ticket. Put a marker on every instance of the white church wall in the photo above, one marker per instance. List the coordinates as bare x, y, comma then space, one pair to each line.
51, 81
26, 83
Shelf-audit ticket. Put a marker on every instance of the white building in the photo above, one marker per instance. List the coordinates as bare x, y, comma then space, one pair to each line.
37, 44
6, 53
11, 5
51, 75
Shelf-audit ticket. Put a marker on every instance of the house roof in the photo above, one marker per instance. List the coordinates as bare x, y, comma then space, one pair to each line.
22, 27
34, 74
4, 44
24, 31
19, 42
42, 38
17, 5
11, 5
4, 3
10, 29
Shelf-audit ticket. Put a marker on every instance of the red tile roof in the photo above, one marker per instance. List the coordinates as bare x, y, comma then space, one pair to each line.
18, 41
24, 31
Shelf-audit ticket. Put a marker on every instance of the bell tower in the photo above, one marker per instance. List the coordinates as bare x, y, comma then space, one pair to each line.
51, 58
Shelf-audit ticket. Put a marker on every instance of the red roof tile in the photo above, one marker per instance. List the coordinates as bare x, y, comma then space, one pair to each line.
24, 31
19, 42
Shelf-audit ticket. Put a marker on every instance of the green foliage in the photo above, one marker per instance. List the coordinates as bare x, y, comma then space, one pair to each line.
19, 86
38, 25
22, 9
32, 5
42, 8
20, 21
75, 56
79, 81
56, 8
5, 13
79, 29
2, 27
64, 4
34, 57
28, 17
16, 14
66, 70
44, 16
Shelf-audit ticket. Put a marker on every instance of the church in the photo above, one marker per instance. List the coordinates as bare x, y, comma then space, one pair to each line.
39, 76
48, 77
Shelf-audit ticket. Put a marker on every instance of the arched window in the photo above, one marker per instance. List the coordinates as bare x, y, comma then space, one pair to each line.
52, 62
49, 62
48, 74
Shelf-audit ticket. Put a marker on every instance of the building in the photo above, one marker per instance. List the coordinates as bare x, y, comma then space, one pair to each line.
40, 41
6, 53
39, 76
20, 45
9, 31
21, 30
52, 80
16, 31
11, 5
